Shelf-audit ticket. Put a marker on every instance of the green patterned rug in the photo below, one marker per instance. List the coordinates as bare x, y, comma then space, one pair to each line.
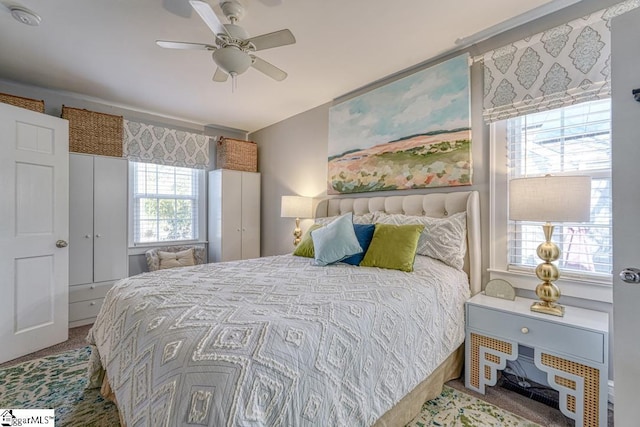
58, 382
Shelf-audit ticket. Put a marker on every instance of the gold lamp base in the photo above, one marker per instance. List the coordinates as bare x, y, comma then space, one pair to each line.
547, 291
548, 308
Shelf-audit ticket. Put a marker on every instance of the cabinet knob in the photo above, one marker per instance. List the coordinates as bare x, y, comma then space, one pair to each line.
98, 235
92, 303
87, 236
524, 330
92, 287
238, 229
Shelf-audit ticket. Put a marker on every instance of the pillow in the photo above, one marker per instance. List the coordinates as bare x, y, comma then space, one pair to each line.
393, 246
176, 259
305, 247
444, 239
335, 241
364, 233
357, 219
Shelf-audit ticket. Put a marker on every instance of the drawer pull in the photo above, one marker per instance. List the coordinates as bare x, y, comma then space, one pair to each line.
524, 330
92, 303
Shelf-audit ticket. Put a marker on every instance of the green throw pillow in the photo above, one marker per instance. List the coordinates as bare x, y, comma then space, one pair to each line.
305, 247
393, 247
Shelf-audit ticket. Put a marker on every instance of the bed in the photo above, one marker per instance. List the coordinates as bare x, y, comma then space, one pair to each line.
279, 341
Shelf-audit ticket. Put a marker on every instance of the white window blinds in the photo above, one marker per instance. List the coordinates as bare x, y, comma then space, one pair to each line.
574, 140
562, 66
165, 202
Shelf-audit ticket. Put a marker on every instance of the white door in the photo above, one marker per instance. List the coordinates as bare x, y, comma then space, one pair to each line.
626, 216
250, 215
34, 215
231, 201
109, 219
80, 219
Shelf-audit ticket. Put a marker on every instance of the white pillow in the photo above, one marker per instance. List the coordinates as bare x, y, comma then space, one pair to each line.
176, 259
357, 219
335, 241
444, 239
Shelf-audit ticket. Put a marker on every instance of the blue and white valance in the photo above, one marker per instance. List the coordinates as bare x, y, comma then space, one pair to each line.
562, 66
156, 144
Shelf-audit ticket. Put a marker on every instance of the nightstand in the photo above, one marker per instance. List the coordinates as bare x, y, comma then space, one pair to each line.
572, 350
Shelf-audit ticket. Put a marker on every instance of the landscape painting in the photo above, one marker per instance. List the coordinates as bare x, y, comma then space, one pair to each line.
412, 133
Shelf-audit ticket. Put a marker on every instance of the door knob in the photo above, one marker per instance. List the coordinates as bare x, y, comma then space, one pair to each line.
61, 244
630, 275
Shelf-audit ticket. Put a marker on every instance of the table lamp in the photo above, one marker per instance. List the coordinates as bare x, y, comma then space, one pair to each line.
549, 199
296, 207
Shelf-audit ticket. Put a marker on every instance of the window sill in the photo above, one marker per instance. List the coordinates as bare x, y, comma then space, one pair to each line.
572, 287
144, 247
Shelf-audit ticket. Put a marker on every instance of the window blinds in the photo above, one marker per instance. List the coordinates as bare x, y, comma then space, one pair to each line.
562, 66
574, 140
165, 203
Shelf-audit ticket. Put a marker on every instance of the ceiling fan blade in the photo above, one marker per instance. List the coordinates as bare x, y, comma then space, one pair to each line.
220, 76
208, 16
268, 69
275, 39
184, 45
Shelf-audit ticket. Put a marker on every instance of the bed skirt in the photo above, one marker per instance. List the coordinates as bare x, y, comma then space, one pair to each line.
404, 411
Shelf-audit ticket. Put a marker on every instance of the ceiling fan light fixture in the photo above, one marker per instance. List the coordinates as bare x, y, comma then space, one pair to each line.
232, 60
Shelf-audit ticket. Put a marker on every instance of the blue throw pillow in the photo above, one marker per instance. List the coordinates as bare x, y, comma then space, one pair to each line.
336, 241
364, 233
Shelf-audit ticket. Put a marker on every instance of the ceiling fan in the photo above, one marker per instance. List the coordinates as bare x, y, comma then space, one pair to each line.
233, 49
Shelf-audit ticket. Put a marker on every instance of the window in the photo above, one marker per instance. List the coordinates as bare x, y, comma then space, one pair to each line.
573, 140
167, 203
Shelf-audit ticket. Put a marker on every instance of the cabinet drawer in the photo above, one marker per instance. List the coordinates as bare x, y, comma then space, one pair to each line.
84, 309
542, 334
79, 293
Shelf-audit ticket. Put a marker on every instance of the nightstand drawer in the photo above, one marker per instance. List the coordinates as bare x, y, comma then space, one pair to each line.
530, 332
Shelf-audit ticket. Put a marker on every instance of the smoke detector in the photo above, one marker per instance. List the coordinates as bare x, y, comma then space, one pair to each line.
25, 16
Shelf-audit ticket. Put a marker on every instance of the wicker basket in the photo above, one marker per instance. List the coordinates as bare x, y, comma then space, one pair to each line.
237, 155
18, 101
94, 133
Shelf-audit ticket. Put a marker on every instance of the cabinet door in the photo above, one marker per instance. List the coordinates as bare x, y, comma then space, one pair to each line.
80, 219
250, 215
231, 241
110, 219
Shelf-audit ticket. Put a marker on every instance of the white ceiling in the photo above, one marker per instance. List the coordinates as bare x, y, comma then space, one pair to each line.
106, 49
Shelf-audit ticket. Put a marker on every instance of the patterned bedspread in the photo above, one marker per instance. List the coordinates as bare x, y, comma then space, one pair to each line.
274, 341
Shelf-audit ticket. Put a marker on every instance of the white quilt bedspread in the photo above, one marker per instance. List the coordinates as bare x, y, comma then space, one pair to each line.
275, 341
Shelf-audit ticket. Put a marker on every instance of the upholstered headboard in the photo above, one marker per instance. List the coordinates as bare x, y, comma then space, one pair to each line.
436, 205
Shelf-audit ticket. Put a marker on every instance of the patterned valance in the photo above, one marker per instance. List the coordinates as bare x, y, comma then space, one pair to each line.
163, 146
565, 65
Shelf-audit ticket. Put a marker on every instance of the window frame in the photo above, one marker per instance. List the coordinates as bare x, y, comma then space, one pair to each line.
201, 208
571, 284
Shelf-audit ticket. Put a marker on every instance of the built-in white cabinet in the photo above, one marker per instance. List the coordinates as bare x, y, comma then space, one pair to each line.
234, 215
97, 232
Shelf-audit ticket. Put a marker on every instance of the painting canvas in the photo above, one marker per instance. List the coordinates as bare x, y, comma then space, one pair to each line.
412, 133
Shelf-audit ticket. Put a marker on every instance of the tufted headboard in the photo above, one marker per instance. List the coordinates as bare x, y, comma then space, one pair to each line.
436, 205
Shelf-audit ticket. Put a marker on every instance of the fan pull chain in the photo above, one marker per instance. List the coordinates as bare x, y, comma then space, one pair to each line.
234, 82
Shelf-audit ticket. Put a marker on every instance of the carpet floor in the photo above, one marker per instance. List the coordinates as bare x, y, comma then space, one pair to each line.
55, 378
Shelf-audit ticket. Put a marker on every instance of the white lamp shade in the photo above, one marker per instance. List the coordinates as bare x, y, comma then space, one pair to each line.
550, 199
296, 207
